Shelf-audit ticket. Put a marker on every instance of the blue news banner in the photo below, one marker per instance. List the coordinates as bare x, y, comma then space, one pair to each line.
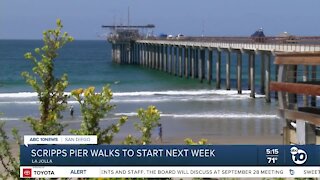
169, 155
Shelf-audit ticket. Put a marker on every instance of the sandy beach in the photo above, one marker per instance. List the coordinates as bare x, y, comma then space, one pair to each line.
216, 131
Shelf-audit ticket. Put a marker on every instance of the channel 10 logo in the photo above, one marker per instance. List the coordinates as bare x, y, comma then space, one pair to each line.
299, 156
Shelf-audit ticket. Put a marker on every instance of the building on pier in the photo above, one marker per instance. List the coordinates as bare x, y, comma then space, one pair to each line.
258, 36
122, 38
128, 33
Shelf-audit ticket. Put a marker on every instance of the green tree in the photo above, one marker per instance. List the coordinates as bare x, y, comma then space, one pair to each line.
94, 106
51, 95
8, 160
50, 89
189, 141
149, 119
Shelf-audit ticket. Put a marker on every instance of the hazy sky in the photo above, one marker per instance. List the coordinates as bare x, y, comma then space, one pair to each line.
27, 19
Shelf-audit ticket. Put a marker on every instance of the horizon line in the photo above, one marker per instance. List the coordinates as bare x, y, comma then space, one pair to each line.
4, 39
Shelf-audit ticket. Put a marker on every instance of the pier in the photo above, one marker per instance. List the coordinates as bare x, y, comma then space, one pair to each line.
294, 68
201, 57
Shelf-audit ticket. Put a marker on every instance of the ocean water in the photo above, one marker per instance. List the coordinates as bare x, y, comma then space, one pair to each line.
188, 108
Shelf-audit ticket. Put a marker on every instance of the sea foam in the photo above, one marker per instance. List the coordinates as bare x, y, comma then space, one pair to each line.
145, 93
211, 115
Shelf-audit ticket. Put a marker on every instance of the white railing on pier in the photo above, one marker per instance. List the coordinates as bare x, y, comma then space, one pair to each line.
273, 47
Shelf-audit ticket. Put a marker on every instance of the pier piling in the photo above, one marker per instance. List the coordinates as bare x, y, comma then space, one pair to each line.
196, 64
209, 66
252, 74
193, 62
248, 72
218, 69
186, 62
201, 65
180, 65
228, 69
239, 72
267, 76
262, 73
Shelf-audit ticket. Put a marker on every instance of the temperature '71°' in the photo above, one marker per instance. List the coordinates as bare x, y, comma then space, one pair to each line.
272, 160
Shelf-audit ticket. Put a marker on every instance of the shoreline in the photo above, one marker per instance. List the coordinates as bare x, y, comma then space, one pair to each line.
175, 130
